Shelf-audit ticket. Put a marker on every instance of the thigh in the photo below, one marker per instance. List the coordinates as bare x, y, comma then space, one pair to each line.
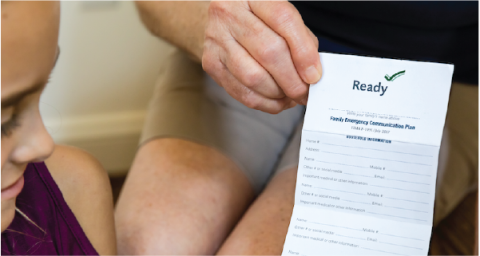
263, 228
179, 198
188, 104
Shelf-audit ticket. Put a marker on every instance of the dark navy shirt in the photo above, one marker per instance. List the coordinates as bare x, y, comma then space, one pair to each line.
427, 31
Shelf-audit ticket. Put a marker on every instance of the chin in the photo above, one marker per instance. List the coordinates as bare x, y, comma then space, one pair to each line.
8, 212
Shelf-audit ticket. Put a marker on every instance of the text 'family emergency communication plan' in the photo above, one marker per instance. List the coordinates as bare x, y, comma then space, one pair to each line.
368, 157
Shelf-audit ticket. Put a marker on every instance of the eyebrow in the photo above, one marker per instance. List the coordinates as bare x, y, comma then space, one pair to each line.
20, 95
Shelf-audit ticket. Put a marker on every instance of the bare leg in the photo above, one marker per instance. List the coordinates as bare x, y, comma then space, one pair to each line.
179, 198
263, 228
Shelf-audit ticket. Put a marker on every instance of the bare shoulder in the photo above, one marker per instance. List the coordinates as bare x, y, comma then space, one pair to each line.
86, 189
78, 174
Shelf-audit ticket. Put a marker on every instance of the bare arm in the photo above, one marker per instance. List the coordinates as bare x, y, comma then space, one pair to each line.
180, 23
261, 53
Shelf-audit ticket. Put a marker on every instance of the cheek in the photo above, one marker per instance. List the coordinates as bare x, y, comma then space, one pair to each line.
7, 148
8, 212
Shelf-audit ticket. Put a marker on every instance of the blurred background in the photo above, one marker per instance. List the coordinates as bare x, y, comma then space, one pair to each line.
100, 88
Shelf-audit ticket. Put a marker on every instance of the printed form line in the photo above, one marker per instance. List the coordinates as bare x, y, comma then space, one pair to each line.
351, 237
367, 168
334, 226
395, 216
341, 191
380, 251
401, 245
406, 200
341, 164
393, 198
400, 189
419, 183
376, 158
400, 236
376, 149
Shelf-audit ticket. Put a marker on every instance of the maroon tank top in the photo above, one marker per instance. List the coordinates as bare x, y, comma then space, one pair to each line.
56, 230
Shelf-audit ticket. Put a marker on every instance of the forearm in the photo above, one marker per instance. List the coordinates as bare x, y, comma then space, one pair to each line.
180, 23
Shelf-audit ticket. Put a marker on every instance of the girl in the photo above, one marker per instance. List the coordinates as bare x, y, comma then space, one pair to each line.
55, 199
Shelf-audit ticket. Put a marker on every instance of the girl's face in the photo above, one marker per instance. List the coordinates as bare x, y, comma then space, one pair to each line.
29, 52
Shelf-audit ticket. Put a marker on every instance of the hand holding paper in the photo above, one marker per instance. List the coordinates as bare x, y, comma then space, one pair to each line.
368, 157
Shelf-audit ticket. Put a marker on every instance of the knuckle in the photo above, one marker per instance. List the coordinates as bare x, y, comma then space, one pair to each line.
297, 92
304, 51
285, 14
254, 78
211, 64
250, 101
217, 7
273, 50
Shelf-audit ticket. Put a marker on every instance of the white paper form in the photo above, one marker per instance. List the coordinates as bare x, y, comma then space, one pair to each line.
368, 158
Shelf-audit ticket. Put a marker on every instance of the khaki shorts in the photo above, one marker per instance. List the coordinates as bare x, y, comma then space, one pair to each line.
188, 104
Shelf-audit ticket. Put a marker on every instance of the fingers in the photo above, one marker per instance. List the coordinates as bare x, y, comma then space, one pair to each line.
284, 19
249, 73
254, 100
219, 72
272, 53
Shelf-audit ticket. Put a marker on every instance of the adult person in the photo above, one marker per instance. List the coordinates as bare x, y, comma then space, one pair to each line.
55, 199
214, 175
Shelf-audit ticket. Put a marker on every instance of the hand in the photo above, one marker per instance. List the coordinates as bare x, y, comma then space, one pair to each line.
261, 53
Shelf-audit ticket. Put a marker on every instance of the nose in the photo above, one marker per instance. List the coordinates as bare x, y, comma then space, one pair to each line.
35, 145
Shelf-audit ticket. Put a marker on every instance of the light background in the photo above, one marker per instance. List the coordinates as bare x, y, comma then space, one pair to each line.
100, 88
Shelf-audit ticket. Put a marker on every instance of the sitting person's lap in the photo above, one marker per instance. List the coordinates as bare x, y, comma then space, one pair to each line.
246, 149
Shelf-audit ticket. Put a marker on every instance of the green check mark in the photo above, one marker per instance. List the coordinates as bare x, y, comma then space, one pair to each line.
394, 76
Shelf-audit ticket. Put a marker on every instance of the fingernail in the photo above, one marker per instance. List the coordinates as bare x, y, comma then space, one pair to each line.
312, 75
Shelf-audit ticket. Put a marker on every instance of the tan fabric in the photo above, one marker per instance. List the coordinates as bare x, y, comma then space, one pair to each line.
167, 114
458, 161
186, 105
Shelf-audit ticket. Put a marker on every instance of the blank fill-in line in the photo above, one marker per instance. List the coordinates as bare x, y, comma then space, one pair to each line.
377, 149
395, 216
342, 164
380, 251
405, 209
409, 173
410, 182
401, 245
334, 226
376, 158
358, 175
400, 189
387, 179
341, 191
355, 201
352, 237
400, 236
406, 200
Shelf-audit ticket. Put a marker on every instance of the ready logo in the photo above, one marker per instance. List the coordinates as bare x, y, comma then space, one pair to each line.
379, 87
394, 76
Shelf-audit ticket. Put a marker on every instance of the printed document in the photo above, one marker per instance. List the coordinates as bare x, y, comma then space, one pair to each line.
368, 157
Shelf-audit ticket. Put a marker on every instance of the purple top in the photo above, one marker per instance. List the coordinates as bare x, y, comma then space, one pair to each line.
56, 230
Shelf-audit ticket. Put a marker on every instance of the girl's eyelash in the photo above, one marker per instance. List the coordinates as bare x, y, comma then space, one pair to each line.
10, 125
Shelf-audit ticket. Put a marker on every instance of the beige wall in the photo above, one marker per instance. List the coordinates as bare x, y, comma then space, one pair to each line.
99, 90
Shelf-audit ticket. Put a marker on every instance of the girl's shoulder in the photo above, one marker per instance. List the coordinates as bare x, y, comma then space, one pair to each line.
85, 186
